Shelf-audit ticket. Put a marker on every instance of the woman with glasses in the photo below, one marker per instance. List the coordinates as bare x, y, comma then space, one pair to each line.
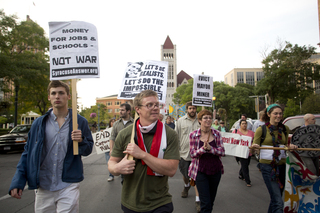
206, 149
272, 163
245, 162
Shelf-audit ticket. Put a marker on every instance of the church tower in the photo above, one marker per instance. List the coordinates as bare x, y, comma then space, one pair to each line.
168, 53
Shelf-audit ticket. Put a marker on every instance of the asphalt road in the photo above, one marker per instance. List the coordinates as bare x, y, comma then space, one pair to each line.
97, 195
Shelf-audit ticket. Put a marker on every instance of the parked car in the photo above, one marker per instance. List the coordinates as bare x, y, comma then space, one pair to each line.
16, 139
296, 122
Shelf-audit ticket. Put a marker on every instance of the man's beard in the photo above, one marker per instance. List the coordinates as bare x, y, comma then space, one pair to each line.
192, 115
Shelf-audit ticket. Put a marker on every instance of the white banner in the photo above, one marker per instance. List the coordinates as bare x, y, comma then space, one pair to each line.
73, 50
202, 90
236, 145
147, 75
101, 141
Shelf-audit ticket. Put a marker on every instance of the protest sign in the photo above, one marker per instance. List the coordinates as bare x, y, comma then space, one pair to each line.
101, 141
235, 144
73, 50
147, 75
73, 54
307, 137
302, 187
202, 90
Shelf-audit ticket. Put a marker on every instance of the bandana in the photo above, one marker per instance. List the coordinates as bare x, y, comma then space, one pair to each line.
159, 142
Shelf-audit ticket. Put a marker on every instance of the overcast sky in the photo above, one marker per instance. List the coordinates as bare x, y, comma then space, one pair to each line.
210, 36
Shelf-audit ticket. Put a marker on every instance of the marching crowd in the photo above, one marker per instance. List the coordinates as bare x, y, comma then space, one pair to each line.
145, 152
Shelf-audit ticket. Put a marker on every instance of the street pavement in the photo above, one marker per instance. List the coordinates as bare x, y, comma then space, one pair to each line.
98, 195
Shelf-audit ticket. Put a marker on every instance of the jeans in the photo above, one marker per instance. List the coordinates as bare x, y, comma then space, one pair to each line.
244, 170
207, 186
107, 154
276, 203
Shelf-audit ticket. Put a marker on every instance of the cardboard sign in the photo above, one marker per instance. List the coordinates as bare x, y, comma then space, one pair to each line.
101, 141
202, 90
307, 137
236, 145
147, 75
73, 50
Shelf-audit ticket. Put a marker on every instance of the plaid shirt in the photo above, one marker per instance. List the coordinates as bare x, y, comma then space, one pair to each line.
196, 151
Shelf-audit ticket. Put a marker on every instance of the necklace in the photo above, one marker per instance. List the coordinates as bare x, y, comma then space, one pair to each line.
205, 131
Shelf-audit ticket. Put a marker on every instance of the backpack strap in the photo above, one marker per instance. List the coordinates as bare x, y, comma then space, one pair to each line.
264, 133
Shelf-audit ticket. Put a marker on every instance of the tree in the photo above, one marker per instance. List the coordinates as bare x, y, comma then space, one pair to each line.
291, 109
104, 116
24, 62
311, 104
288, 73
234, 100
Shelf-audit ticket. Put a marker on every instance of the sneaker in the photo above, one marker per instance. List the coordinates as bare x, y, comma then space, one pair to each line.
198, 207
110, 179
184, 193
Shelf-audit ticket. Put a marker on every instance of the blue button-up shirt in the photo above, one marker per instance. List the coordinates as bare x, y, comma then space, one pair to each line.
53, 154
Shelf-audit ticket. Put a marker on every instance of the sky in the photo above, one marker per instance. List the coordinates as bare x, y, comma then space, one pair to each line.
212, 37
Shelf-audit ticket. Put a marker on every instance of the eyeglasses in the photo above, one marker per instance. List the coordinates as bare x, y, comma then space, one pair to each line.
206, 118
153, 105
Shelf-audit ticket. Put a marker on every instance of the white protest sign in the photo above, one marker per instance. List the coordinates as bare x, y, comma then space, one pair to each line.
202, 90
236, 145
101, 141
147, 75
73, 50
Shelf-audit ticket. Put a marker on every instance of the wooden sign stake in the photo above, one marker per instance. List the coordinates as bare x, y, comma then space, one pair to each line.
74, 114
130, 157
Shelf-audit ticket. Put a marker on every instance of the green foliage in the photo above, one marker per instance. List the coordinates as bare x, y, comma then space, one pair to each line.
288, 73
104, 116
24, 62
291, 109
234, 100
311, 104
3, 120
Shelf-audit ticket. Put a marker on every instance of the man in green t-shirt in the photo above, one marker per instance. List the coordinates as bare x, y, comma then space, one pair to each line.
156, 157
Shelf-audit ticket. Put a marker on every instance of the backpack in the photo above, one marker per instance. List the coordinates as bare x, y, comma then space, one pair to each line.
264, 132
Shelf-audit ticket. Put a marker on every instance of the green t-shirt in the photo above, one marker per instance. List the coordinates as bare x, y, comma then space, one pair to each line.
142, 192
268, 141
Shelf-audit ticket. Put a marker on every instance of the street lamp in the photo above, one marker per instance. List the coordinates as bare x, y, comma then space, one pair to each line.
213, 107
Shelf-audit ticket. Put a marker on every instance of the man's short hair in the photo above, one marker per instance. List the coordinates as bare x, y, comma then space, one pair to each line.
169, 116
188, 104
245, 115
137, 101
126, 106
57, 83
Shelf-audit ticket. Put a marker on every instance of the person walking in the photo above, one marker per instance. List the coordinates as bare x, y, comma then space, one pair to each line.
48, 163
156, 157
206, 149
272, 163
244, 162
185, 125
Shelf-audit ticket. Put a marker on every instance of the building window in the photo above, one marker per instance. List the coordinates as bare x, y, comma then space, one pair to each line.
117, 103
109, 110
232, 80
240, 77
117, 110
259, 76
109, 103
250, 78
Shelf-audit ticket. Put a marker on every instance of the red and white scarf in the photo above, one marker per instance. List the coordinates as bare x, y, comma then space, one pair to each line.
159, 142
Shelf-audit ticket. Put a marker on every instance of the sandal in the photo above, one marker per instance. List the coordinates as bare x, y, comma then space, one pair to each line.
248, 185
241, 178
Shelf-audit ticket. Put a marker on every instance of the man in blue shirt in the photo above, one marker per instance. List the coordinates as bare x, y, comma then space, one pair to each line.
49, 154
